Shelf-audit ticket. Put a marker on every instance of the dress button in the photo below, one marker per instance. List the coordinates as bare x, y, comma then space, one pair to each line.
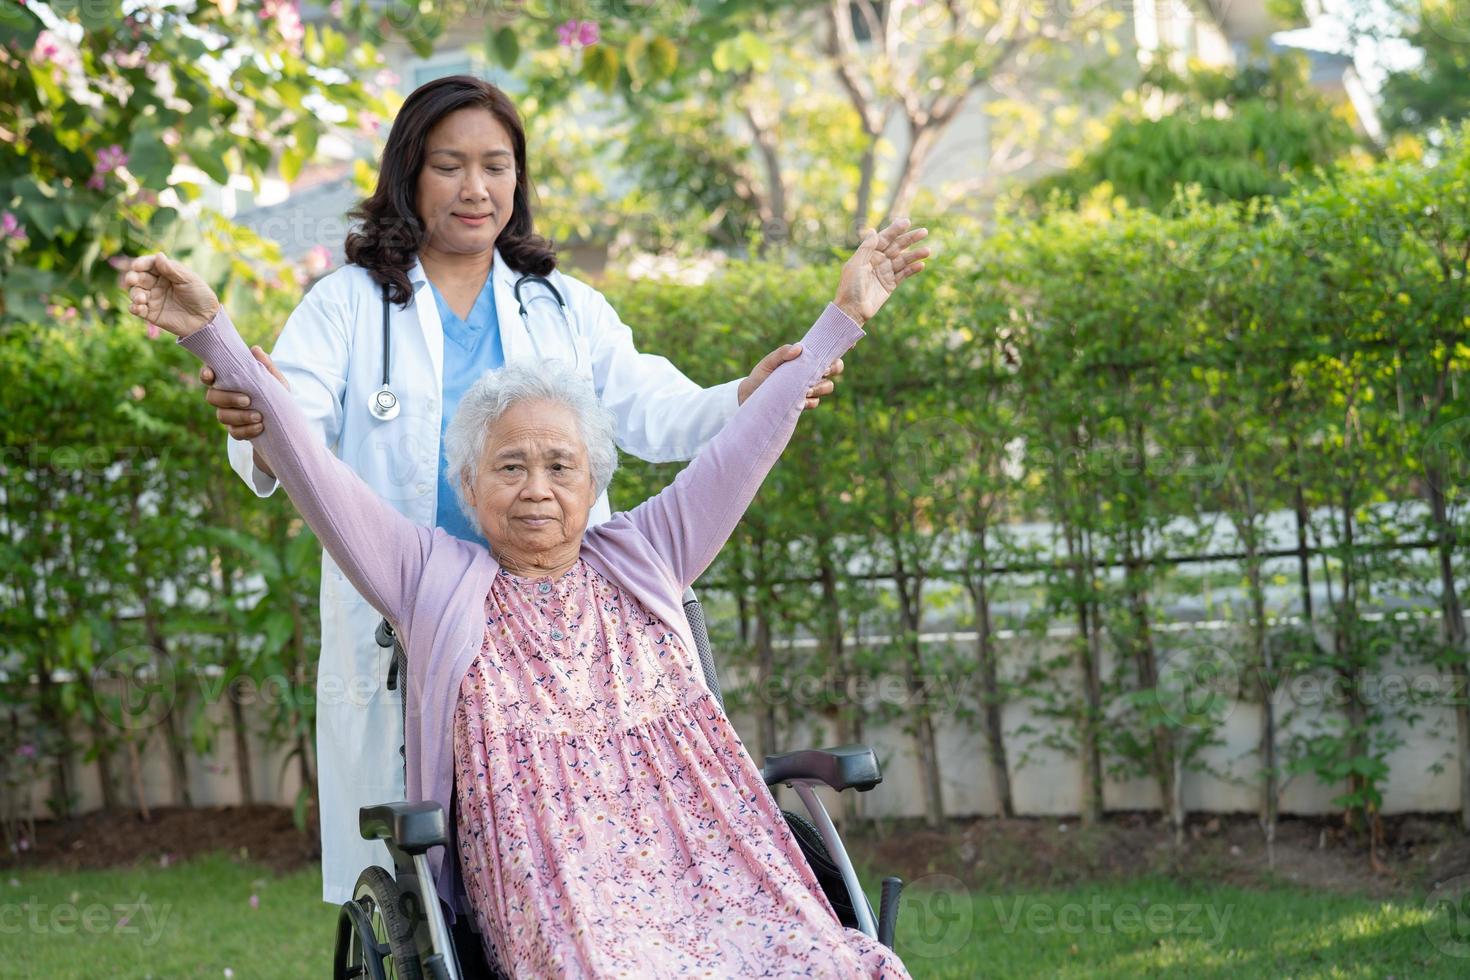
543, 587
557, 634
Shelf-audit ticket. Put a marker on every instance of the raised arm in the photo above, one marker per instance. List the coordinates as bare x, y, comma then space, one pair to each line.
692, 518
662, 415
381, 552
311, 356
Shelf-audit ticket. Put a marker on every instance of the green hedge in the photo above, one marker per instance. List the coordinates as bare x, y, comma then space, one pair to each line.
1116, 378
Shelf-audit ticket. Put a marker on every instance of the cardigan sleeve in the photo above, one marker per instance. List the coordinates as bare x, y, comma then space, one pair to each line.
380, 551
691, 519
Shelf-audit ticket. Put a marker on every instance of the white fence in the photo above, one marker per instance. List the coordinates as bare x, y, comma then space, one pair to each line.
1422, 774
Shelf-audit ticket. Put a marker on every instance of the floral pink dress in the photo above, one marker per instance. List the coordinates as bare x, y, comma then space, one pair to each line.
610, 821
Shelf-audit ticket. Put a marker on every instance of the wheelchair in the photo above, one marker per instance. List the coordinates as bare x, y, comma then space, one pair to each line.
395, 925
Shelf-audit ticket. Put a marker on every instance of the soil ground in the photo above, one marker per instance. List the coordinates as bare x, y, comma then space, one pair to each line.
994, 855
990, 855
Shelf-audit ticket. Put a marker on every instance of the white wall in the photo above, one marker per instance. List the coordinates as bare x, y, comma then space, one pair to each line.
1049, 784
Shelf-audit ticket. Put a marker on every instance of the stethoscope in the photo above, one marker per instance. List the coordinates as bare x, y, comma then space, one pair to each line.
383, 404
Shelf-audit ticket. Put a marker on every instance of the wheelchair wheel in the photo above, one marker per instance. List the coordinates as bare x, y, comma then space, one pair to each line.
375, 934
829, 876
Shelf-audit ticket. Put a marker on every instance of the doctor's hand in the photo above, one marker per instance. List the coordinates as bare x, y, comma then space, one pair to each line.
884, 259
779, 356
232, 408
168, 294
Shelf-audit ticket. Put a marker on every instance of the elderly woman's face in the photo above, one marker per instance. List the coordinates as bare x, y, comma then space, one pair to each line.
466, 187
534, 489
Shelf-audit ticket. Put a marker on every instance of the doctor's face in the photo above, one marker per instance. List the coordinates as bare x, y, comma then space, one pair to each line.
466, 186
533, 489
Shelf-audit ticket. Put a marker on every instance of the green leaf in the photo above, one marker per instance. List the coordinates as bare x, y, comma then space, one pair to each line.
292, 160
505, 45
149, 158
305, 131
663, 55
600, 66
19, 27
99, 15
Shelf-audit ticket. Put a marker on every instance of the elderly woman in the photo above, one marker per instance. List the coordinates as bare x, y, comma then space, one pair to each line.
610, 822
446, 279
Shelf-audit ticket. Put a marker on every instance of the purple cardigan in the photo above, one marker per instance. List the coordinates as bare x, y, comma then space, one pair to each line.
432, 586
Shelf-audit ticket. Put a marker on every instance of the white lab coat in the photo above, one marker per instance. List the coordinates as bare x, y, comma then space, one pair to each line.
331, 350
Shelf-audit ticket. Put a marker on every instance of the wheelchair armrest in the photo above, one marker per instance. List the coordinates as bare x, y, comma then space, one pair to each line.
841, 767
413, 827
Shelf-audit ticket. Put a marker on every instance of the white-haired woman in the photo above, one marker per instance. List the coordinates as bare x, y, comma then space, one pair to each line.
610, 822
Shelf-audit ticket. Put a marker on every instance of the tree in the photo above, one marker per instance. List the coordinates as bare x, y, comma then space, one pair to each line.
1238, 134
785, 123
1435, 94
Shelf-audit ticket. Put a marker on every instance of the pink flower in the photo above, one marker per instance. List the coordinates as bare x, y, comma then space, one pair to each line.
47, 47
108, 159
287, 16
255, 901
578, 33
318, 260
10, 227
25, 750
335, 8
153, 331
112, 157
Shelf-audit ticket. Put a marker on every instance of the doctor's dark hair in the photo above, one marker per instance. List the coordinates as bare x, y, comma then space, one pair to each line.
391, 234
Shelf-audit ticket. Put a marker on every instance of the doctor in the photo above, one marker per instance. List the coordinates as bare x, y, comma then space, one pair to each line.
446, 280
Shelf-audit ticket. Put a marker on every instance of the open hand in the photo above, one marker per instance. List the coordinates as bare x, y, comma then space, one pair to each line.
881, 262
166, 293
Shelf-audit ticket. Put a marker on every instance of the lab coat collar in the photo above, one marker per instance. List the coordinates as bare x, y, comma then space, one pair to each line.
417, 277
502, 272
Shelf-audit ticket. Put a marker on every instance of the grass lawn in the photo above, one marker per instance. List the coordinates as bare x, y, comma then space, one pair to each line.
197, 919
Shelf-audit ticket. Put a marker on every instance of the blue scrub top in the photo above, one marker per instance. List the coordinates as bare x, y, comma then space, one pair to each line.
471, 347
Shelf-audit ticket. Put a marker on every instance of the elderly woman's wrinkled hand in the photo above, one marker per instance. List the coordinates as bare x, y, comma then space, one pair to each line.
883, 260
169, 295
